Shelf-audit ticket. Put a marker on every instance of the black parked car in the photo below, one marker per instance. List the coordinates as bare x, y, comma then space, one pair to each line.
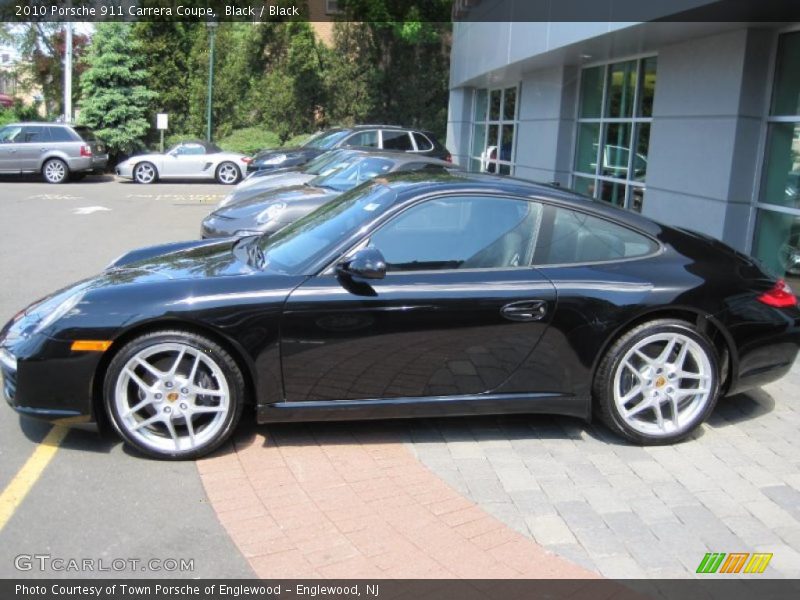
274, 209
415, 294
382, 137
259, 182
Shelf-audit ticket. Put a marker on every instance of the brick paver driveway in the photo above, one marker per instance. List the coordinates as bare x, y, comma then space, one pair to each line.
513, 496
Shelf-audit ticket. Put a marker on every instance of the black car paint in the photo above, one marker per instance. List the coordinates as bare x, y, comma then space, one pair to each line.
318, 345
300, 155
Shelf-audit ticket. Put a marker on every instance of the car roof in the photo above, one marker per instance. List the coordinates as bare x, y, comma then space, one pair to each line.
210, 147
42, 123
410, 185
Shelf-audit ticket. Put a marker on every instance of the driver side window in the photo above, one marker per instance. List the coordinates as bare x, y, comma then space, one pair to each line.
470, 232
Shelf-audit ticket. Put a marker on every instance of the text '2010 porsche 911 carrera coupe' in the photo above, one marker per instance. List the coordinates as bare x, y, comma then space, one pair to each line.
420, 294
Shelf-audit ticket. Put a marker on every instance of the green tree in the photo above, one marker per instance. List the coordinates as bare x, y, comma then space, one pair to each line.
115, 98
42, 45
290, 95
165, 49
393, 58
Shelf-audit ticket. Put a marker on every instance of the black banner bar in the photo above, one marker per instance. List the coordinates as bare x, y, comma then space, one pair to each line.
402, 10
737, 588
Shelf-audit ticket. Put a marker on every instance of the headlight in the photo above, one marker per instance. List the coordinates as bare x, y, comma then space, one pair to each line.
58, 312
270, 213
275, 160
225, 201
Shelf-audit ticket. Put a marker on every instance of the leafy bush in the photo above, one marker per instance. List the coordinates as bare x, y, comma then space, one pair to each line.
297, 140
249, 140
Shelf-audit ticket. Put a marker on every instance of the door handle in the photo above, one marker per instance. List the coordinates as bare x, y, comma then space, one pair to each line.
525, 310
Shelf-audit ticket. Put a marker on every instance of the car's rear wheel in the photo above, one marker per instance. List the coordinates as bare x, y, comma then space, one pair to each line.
174, 394
55, 170
145, 172
228, 173
658, 382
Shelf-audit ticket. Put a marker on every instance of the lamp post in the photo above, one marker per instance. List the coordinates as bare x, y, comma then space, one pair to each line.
212, 34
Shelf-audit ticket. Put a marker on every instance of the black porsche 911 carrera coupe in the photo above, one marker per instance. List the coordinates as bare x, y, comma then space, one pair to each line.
412, 295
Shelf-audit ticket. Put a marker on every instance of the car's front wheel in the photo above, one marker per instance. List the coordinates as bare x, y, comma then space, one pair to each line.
228, 173
174, 394
55, 170
145, 172
658, 382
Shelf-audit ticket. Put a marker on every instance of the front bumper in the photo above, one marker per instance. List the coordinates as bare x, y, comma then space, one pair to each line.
125, 171
53, 383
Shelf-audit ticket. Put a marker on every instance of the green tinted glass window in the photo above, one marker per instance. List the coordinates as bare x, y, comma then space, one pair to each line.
786, 93
591, 92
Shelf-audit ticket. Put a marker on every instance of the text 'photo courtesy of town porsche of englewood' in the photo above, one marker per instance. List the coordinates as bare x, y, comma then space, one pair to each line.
399, 299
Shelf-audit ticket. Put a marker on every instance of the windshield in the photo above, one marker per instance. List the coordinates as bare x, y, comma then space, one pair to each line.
297, 247
322, 164
326, 139
356, 171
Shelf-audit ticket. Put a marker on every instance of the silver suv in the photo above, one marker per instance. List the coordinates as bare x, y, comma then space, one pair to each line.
56, 150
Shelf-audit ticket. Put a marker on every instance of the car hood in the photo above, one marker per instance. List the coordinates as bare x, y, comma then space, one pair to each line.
263, 185
184, 260
305, 194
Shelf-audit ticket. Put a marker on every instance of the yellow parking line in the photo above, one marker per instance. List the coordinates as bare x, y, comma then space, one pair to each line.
30, 472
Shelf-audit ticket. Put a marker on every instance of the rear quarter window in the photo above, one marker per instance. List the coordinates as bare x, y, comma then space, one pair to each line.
86, 134
423, 143
574, 237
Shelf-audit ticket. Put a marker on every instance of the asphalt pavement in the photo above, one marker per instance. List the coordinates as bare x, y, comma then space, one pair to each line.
97, 500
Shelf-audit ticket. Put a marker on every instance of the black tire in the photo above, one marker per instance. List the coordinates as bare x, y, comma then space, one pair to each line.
219, 355
55, 170
226, 166
145, 173
603, 388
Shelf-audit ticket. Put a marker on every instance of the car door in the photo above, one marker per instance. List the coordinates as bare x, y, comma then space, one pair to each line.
456, 315
187, 160
367, 138
35, 143
10, 135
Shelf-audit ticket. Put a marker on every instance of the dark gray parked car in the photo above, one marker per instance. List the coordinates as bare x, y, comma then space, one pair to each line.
380, 137
260, 182
56, 150
275, 209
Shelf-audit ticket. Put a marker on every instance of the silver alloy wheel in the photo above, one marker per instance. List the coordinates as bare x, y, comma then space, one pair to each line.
172, 397
55, 171
662, 384
145, 173
227, 173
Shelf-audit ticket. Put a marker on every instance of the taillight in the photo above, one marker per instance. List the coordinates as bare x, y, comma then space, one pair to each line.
247, 160
780, 296
449, 157
86, 150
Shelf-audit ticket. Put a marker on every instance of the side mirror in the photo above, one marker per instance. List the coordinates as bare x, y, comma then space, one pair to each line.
367, 263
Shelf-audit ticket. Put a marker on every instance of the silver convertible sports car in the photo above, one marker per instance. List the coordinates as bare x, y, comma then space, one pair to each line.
187, 160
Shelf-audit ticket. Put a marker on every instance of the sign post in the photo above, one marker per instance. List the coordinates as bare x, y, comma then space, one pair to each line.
161, 124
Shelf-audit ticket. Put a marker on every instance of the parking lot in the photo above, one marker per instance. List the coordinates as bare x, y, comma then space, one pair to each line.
512, 496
